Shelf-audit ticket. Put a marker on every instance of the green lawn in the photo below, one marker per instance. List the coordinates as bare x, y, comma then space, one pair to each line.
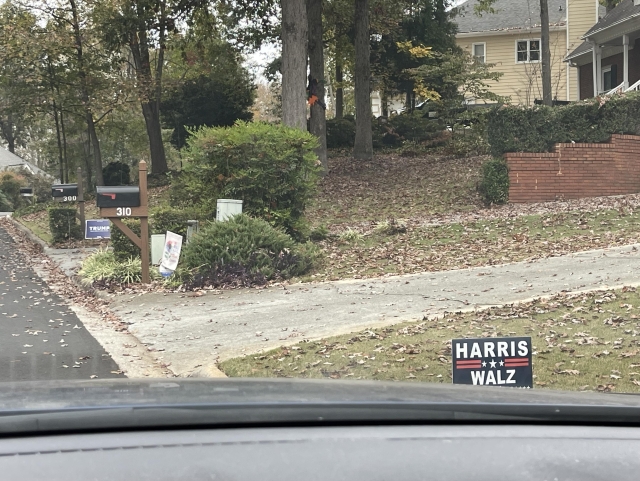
585, 342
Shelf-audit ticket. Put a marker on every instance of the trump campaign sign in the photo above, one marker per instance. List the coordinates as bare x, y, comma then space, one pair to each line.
493, 361
97, 229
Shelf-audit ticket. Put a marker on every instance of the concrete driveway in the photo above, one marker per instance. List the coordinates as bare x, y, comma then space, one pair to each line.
191, 332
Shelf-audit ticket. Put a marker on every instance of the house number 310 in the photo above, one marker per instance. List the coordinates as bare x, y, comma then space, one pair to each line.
123, 211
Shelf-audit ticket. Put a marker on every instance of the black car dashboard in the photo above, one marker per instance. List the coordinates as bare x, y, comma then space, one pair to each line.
401, 452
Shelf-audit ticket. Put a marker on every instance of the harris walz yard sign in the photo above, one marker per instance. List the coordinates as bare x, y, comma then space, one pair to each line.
493, 361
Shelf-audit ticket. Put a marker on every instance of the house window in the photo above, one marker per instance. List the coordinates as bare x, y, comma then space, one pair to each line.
528, 50
609, 78
479, 52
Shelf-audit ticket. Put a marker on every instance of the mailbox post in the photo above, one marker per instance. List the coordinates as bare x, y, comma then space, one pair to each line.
117, 202
80, 182
71, 193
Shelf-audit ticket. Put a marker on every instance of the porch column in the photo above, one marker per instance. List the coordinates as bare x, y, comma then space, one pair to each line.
596, 70
625, 64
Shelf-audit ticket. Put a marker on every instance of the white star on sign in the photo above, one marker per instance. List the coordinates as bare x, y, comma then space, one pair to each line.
484, 364
493, 364
501, 363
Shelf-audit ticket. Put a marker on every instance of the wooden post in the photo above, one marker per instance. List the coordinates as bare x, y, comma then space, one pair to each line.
144, 221
80, 197
115, 214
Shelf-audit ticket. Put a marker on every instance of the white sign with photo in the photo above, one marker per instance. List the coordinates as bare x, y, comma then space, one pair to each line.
171, 253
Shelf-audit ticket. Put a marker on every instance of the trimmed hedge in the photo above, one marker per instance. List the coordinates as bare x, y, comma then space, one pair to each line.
273, 169
537, 129
63, 224
165, 219
494, 186
123, 248
250, 244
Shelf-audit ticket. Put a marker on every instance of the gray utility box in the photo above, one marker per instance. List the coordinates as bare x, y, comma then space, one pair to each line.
118, 196
64, 191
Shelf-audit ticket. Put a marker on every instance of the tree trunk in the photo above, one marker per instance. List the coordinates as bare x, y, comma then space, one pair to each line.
154, 132
384, 98
84, 95
59, 139
546, 53
87, 163
363, 147
339, 92
64, 146
318, 121
8, 134
151, 105
294, 63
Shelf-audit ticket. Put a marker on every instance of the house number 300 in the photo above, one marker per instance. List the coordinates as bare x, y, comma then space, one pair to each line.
123, 211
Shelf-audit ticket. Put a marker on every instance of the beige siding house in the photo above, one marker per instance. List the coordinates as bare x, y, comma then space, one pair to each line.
509, 38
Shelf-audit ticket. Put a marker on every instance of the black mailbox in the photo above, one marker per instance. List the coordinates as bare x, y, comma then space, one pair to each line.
118, 196
26, 191
65, 192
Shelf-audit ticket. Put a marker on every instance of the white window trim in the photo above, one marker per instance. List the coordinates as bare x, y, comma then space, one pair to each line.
528, 40
473, 50
602, 72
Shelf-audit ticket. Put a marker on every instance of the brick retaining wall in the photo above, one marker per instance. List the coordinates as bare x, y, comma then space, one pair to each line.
574, 171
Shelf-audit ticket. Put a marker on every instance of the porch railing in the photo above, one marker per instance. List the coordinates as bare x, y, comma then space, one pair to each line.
635, 86
615, 90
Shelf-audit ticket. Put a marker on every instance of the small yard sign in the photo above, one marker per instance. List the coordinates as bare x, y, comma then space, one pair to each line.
493, 361
97, 229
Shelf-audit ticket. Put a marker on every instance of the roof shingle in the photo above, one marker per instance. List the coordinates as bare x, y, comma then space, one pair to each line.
509, 15
622, 11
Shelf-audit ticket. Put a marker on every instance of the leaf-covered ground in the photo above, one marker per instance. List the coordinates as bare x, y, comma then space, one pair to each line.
407, 215
394, 186
585, 342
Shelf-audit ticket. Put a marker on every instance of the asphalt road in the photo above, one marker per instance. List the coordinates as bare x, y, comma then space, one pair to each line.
40, 337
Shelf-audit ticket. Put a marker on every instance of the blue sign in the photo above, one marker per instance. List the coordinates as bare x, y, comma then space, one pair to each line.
97, 229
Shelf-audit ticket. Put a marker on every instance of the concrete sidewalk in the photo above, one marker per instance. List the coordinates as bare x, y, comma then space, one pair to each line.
191, 332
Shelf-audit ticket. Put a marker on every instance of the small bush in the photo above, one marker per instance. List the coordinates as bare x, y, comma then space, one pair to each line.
165, 219
414, 127
341, 133
123, 248
494, 186
319, 233
5, 204
273, 169
252, 244
116, 173
40, 184
102, 267
10, 184
98, 266
350, 235
390, 227
63, 224
30, 209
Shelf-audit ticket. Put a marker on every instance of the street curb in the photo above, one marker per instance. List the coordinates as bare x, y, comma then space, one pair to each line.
43, 248
209, 371
32, 237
